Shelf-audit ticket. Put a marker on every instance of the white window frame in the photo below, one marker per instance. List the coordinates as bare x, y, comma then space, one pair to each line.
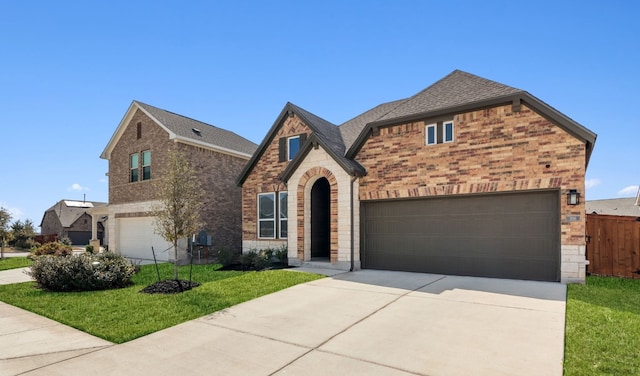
444, 131
289, 156
435, 134
283, 216
272, 220
146, 165
132, 167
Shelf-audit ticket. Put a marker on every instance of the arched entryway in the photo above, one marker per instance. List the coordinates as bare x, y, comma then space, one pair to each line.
321, 219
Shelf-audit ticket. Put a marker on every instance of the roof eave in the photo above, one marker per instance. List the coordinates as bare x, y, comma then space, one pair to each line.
208, 146
313, 142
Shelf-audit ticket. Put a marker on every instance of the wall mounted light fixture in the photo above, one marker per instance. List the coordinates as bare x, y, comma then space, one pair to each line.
573, 197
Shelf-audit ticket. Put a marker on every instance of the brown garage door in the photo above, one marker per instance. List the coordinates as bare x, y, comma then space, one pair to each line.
515, 235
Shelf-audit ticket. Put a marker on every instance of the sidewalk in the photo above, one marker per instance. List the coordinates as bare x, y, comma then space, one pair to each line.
14, 276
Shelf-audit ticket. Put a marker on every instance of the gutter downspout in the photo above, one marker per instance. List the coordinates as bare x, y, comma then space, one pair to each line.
353, 179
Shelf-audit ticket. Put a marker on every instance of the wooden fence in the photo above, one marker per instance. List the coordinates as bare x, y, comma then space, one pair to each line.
613, 245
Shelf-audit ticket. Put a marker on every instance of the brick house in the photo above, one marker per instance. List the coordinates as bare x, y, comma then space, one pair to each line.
72, 219
137, 154
467, 177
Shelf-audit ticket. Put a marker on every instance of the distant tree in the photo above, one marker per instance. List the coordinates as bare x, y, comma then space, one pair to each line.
5, 219
180, 195
22, 234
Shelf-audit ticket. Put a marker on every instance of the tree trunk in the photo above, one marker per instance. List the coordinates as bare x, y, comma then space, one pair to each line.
175, 260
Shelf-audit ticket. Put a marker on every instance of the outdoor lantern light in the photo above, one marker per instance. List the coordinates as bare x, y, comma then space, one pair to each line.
573, 197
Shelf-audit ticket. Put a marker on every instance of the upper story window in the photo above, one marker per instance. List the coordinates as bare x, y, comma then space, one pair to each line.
133, 166
290, 146
293, 145
146, 165
440, 132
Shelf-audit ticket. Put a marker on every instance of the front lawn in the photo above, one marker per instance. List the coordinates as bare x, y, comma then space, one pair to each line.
125, 314
603, 327
14, 263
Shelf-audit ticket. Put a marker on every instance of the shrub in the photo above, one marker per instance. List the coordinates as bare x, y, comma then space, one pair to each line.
66, 241
262, 259
282, 254
247, 259
83, 272
226, 257
88, 248
53, 249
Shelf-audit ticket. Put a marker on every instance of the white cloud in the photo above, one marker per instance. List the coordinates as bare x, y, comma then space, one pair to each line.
631, 190
590, 183
16, 213
77, 188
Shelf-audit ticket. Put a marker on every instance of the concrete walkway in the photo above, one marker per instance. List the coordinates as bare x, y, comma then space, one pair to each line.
363, 323
14, 276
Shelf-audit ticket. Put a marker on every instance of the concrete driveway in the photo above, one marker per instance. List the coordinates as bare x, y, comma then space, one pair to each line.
363, 323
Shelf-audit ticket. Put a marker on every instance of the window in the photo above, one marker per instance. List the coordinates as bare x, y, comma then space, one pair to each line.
293, 145
268, 227
266, 215
282, 209
133, 165
139, 130
431, 134
448, 131
288, 147
438, 133
146, 165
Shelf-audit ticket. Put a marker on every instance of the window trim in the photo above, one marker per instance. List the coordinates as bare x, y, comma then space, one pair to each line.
439, 132
289, 156
132, 168
272, 220
444, 131
280, 217
148, 165
435, 134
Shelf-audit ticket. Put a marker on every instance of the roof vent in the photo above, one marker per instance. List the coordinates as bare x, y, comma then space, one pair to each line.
196, 131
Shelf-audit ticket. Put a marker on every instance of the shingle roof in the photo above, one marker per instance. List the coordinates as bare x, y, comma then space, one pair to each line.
351, 129
68, 211
457, 88
614, 206
183, 126
458, 91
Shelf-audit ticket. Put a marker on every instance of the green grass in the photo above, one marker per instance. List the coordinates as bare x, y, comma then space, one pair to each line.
124, 314
603, 327
14, 263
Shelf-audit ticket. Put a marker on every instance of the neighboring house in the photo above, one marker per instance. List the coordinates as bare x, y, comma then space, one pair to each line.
614, 206
72, 219
467, 177
137, 155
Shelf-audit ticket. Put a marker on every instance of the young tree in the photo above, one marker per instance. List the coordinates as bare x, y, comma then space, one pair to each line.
5, 218
180, 195
22, 234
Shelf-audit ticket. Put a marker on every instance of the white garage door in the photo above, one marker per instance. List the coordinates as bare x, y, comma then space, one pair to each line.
136, 236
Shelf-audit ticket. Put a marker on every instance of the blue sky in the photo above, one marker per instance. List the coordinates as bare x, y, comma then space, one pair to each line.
69, 70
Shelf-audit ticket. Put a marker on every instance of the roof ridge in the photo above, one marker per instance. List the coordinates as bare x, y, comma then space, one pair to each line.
177, 114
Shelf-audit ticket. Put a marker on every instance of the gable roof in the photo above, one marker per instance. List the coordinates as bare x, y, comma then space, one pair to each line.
461, 91
68, 211
615, 206
186, 130
457, 92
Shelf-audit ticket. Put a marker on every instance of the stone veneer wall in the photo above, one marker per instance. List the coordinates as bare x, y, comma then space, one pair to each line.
494, 150
265, 178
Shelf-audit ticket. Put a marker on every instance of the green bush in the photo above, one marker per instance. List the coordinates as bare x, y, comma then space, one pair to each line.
282, 254
88, 248
227, 257
66, 241
53, 249
83, 272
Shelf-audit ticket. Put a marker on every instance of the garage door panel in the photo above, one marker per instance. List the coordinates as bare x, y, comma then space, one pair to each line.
136, 236
504, 236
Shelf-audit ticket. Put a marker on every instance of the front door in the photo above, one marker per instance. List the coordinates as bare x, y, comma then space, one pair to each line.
320, 219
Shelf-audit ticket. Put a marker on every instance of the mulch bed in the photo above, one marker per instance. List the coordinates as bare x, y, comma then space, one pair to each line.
242, 268
170, 286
